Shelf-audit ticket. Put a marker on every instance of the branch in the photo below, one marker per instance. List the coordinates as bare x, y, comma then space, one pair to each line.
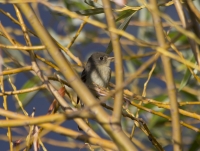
116, 116
176, 131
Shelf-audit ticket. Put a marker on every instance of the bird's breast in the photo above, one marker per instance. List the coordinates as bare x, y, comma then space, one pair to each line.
100, 77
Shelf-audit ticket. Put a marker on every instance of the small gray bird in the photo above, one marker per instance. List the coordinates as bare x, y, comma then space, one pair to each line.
97, 71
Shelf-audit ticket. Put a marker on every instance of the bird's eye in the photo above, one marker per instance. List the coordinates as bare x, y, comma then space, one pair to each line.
101, 58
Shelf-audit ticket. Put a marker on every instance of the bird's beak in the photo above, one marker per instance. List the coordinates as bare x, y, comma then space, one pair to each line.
111, 59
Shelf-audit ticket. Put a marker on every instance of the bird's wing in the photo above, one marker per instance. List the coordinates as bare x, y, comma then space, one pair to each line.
83, 78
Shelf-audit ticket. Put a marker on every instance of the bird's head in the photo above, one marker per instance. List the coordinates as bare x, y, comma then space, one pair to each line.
100, 59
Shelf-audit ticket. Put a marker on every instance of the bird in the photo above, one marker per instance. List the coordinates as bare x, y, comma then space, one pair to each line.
96, 72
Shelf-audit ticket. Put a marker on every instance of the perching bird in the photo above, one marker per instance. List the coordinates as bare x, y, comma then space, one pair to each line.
97, 71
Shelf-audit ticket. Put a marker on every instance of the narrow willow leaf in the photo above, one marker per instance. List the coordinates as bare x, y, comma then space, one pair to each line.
182, 39
122, 27
88, 12
186, 77
93, 4
124, 14
74, 4
195, 143
25, 98
157, 120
